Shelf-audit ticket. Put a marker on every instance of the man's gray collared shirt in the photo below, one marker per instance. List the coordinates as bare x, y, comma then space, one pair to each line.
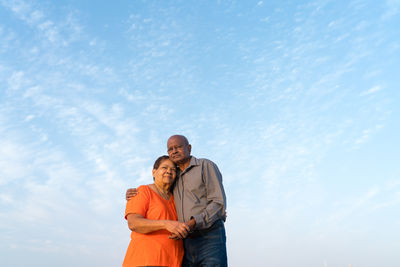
199, 193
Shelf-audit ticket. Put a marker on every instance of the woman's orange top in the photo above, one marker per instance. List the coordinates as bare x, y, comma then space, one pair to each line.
155, 248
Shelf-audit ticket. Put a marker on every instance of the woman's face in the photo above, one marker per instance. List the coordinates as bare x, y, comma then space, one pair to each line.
166, 172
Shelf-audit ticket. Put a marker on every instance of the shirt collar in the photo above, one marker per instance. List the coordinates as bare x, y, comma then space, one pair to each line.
193, 162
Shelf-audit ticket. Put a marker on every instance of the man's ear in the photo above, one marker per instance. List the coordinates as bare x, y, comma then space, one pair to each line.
190, 148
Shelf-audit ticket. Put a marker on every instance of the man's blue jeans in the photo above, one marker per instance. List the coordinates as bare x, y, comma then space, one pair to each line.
206, 248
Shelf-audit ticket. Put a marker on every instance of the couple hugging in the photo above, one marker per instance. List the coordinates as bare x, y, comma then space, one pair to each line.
179, 219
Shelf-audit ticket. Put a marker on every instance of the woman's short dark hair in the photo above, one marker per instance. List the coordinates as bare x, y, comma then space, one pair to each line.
158, 161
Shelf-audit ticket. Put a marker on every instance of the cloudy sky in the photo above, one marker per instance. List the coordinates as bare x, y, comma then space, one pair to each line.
296, 101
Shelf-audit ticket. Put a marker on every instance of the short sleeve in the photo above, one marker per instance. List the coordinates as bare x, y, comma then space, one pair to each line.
139, 204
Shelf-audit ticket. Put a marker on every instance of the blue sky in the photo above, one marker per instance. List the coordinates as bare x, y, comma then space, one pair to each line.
296, 101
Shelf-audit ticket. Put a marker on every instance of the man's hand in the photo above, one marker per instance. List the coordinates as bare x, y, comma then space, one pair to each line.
131, 192
190, 224
178, 230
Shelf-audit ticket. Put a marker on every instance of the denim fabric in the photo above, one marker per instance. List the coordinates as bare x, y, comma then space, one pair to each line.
206, 248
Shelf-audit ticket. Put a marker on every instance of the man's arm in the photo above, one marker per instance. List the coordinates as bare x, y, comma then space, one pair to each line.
215, 195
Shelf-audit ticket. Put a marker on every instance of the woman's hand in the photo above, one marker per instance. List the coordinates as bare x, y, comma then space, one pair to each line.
191, 223
177, 229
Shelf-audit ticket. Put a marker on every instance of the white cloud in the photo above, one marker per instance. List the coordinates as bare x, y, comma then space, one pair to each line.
57, 33
13, 161
392, 9
6, 199
16, 80
372, 90
364, 137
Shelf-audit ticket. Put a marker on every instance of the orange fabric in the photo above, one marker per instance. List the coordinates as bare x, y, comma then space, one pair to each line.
155, 248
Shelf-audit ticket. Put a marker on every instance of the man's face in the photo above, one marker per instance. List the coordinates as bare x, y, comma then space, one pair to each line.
178, 149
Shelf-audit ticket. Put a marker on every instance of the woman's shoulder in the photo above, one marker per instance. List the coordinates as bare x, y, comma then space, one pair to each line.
144, 188
143, 192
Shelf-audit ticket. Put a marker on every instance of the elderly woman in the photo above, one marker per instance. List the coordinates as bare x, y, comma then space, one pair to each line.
151, 216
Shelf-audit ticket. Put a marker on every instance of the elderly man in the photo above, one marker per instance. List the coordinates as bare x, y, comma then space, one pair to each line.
200, 202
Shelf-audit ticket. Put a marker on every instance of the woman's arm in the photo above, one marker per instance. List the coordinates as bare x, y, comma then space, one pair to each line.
139, 224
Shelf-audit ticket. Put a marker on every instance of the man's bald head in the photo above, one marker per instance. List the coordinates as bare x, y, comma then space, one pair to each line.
183, 138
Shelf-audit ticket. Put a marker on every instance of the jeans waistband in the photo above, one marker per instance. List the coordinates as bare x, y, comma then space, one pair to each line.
197, 233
